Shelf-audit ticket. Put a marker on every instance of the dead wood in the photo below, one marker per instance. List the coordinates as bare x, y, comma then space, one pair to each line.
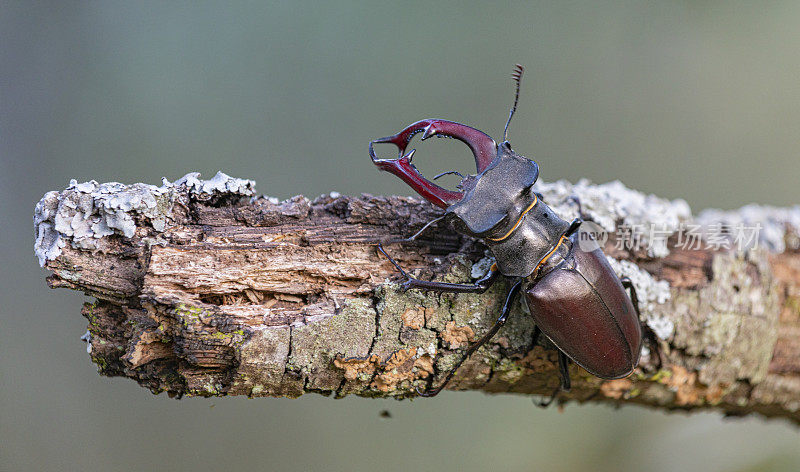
202, 288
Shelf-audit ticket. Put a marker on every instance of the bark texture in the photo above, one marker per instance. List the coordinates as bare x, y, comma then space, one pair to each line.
201, 288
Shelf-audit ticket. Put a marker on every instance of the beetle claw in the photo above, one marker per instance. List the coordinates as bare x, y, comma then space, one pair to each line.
544, 403
483, 148
407, 285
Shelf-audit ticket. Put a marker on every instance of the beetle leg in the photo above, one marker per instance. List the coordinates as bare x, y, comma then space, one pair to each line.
564, 384
536, 333
483, 148
480, 285
563, 364
550, 399
651, 336
512, 295
427, 225
449, 172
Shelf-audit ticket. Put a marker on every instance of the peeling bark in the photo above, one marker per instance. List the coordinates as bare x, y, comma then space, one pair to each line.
203, 289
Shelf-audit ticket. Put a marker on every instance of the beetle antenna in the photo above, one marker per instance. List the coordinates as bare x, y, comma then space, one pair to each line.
517, 76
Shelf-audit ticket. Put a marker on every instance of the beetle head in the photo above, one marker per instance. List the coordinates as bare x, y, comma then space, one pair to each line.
501, 189
495, 198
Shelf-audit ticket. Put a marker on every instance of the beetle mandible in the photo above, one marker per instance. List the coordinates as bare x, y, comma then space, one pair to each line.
575, 298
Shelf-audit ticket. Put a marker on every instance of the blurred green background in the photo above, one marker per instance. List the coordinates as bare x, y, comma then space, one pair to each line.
691, 99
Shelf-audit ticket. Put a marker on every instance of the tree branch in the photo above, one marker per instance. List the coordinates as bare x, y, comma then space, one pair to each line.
203, 289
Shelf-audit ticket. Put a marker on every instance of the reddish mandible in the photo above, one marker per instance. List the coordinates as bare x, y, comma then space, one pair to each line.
573, 295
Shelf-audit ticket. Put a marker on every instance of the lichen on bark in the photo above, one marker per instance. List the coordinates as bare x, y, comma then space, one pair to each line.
204, 289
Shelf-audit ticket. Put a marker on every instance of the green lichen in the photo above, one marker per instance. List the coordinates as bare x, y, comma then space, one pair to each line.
509, 371
316, 345
225, 335
207, 389
101, 363
661, 376
731, 324
187, 313
793, 304
91, 316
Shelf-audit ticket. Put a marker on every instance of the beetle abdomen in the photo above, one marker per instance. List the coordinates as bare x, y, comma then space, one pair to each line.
583, 308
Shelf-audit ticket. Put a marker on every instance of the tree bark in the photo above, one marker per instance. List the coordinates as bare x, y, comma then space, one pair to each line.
202, 288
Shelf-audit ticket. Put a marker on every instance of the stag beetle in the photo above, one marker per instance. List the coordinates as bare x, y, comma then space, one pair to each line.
574, 296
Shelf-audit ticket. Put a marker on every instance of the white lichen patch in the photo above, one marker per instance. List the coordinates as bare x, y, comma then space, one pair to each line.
85, 212
481, 268
651, 292
752, 226
613, 206
219, 184
87, 338
430, 350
